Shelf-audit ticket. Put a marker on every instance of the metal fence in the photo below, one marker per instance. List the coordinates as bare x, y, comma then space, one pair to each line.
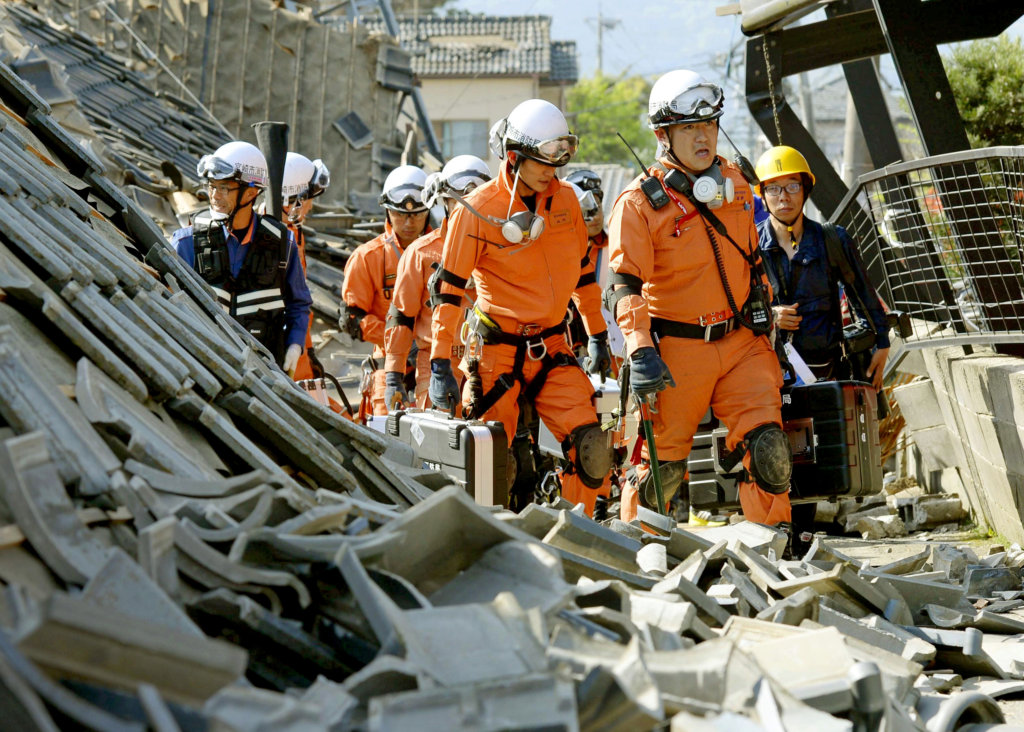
943, 240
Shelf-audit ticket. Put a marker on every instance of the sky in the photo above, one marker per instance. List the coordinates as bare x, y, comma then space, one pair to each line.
653, 37
648, 40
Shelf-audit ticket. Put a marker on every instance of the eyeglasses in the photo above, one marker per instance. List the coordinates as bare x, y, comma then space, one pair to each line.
774, 189
408, 214
221, 188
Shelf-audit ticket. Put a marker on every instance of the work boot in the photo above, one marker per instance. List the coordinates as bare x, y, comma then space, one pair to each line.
673, 480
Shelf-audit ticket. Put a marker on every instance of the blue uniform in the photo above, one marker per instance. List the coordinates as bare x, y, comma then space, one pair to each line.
806, 280
297, 299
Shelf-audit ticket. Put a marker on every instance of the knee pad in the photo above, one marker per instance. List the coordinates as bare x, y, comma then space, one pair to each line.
771, 459
593, 459
673, 478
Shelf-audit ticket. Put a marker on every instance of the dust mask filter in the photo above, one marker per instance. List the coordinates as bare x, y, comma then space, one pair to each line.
522, 225
713, 188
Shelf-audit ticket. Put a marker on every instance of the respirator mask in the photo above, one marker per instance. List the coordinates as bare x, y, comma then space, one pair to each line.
711, 187
515, 227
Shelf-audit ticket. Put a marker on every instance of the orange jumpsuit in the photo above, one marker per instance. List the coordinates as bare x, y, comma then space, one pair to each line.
524, 289
410, 298
590, 305
738, 375
303, 369
369, 280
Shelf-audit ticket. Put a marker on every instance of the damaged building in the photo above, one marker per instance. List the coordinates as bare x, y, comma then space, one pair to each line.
191, 543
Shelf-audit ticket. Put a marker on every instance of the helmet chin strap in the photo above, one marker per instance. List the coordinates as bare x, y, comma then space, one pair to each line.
675, 159
789, 227
237, 207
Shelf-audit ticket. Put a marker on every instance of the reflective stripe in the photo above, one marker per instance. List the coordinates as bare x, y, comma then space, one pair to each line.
222, 294
223, 298
257, 294
271, 305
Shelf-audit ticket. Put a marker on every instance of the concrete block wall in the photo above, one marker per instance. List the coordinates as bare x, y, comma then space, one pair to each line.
966, 420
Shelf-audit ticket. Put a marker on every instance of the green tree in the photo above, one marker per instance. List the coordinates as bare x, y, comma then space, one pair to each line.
987, 77
603, 105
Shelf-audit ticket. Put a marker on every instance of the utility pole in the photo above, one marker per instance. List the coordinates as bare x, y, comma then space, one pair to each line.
602, 24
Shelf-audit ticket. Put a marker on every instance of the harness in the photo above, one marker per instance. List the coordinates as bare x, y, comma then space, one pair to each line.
255, 296
480, 330
711, 326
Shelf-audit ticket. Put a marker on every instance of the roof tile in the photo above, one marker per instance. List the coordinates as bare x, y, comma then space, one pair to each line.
477, 45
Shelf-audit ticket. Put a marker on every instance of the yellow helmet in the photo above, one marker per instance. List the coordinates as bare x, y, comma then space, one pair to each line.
783, 160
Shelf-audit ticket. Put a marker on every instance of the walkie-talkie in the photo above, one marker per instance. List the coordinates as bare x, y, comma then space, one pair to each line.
652, 188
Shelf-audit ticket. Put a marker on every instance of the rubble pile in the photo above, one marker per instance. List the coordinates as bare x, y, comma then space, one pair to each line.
149, 144
894, 514
189, 542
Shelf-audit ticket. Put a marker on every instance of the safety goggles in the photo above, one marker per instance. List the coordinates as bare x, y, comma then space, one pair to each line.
464, 181
210, 166
321, 178
774, 189
557, 151
590, 183
700, 103
589, 205
406, 198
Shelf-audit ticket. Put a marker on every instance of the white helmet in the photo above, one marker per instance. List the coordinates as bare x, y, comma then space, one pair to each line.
683, 96
403, 190
588, 201
238, 160
303, 178
535, 129
461, 174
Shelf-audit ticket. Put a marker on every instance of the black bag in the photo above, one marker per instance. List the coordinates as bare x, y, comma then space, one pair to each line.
858, 336
861, 334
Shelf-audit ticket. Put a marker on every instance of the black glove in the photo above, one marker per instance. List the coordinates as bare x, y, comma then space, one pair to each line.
599, 355
443, 389
648, 374
351, 322
395, 395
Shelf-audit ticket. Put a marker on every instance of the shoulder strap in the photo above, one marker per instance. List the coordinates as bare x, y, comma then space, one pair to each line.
838, 261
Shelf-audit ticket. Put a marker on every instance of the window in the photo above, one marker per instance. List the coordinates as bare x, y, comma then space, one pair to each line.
463, 137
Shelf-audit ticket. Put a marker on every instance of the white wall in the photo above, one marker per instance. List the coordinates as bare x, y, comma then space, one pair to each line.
481, 98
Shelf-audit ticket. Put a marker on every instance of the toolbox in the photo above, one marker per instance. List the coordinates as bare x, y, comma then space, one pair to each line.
472, 453
833, 432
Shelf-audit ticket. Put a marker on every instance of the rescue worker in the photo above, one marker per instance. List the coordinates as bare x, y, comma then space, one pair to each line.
371, 270
806, 297
521, 236
303, 180
688, 293
411, 309
250, 260
587, 187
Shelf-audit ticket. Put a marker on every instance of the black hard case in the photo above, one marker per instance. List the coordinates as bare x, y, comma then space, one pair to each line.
470, 452
833, 430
